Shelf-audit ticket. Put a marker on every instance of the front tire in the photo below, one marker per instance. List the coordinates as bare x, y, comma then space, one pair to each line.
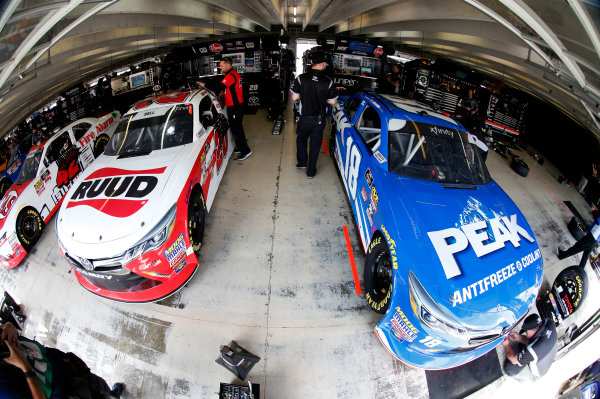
571, 287
378, 275
196, 219
5, 184
29, 227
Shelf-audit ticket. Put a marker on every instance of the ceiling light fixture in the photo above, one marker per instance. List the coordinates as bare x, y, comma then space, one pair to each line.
294, 19
294, 11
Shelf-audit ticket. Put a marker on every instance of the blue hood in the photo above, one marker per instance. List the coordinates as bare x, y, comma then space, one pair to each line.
471, 249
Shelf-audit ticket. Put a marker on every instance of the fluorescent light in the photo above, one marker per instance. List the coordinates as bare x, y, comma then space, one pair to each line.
294, 19
294, 11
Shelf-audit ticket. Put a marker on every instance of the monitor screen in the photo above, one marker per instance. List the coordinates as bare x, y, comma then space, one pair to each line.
138, 79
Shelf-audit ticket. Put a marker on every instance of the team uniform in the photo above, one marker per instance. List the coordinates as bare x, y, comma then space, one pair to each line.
315, 89
534, 360
234, 100
585, 244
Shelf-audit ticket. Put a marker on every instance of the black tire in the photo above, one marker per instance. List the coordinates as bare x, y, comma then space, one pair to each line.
577, 228
570, 288
5, 184
100, 145
378, 275
196, 219
29, 227
520, 167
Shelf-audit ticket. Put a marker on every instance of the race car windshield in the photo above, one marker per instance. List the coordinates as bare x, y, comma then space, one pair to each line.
150, 130
30, 166
434, 153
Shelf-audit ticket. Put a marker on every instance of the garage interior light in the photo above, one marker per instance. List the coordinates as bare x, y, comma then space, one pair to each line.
294, 12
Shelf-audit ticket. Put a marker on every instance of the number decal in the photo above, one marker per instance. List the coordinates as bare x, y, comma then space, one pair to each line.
351, 168
430, 342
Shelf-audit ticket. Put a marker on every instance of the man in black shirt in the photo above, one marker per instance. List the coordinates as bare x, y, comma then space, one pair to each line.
315, 91
533, 352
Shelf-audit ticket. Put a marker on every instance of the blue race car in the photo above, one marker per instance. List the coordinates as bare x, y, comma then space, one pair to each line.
450, 260
9, 176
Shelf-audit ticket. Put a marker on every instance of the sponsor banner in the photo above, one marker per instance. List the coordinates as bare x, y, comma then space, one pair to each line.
358, 47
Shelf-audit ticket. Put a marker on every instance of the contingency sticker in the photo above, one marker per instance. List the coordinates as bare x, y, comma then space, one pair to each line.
369, 177
176, 251
402, 328
379, 157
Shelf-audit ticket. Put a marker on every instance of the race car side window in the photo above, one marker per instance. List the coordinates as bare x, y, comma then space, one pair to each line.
80, 129
351, 107
368, 126
57, 147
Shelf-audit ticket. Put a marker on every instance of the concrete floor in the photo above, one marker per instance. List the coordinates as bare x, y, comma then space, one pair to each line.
275, 277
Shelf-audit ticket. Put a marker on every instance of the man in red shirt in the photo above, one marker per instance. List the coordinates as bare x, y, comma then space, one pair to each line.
234, 100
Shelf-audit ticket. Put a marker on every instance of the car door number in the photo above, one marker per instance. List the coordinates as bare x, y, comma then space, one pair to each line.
351, 166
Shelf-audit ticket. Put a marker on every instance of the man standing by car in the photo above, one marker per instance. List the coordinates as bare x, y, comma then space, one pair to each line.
586, 243
315, 91
234, 100
536, 346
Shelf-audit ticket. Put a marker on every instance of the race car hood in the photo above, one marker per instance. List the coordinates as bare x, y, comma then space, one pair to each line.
472, 250
116, 202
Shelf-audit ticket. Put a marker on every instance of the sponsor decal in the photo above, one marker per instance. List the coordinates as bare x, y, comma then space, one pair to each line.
46, 176
94, 275
374, 198
345, 82
392, 246
156, 88
189, 190
482, 286
341, 122
369, 177
370, 214
7, 203
450, 241
12, 238
441, 131
379, 157
180, 266
364, 194
402, 328
14, 166
376, 241
377, 52
116, 192
253, 100
39, 186
176, 251
216, 47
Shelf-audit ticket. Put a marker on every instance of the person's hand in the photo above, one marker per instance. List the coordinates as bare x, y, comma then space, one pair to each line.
221, 94
505, 341
513, 336
17, 357
9, 333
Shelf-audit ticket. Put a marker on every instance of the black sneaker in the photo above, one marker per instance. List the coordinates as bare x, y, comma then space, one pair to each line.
117, 389
241, 157
300, 166
236, 151
310, 176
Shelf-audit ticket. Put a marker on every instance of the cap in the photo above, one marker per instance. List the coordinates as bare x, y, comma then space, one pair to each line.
531, 322
318, 57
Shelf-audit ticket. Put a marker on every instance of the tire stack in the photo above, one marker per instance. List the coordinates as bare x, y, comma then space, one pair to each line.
519, 166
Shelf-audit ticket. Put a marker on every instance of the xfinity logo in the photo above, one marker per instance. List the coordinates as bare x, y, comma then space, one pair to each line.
441, 131
453, 240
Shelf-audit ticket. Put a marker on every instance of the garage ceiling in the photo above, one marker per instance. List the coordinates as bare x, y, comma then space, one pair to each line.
550, 49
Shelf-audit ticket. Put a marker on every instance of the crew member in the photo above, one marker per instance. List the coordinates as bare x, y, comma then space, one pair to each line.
234, 100
394, 78
470, 107
315, 91
586, 243
39, 372
530, 356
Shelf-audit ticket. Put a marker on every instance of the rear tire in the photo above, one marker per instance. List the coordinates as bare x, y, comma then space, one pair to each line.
29, 227
196, 219
100, 145
378, 275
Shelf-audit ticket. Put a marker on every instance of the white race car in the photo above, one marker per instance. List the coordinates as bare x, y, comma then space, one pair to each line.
133, 223
47, 173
